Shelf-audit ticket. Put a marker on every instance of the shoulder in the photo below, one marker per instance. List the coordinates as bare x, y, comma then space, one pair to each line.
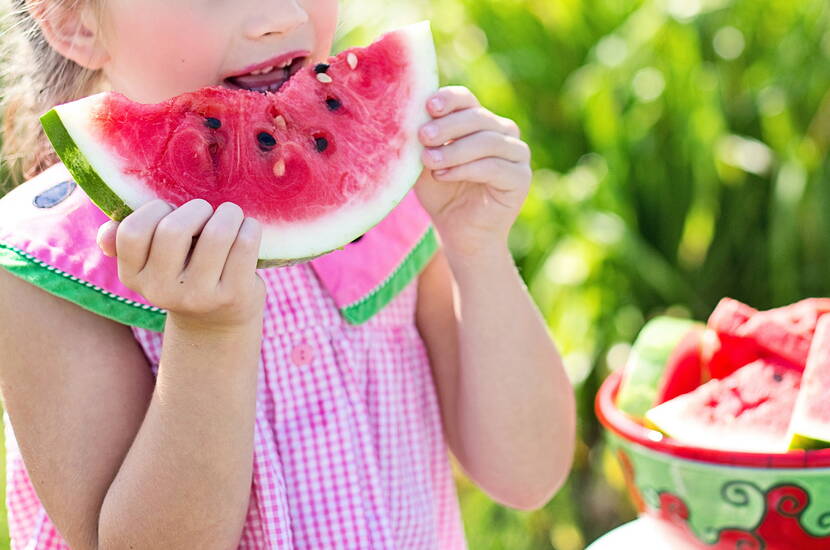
435, 291
48, 230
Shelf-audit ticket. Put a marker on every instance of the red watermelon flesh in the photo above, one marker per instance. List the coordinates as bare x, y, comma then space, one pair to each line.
749, 410
810, 427
745, 334
787, 331
318, 162
727, 349
684, 370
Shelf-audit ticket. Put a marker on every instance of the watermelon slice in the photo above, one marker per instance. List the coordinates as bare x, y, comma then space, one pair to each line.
749, 410
318, 162
745, 334
645, 370
684, 370
810, 426
787, 332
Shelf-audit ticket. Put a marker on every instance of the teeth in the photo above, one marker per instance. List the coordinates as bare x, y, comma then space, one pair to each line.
266, 70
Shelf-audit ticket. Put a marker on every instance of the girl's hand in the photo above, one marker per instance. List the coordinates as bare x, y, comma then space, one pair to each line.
476, 172
212, 286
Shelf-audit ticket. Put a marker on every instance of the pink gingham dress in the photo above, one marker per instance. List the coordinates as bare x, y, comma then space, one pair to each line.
349, 451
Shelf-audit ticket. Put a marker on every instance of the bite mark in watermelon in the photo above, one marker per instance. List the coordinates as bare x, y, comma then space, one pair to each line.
318, 163
810, 426
749, 410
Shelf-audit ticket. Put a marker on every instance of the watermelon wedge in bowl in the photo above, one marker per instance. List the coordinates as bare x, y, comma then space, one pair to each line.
720, 467
318, 162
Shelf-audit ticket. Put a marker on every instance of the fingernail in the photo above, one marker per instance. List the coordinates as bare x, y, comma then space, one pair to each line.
430, 130
436, 155
436, 103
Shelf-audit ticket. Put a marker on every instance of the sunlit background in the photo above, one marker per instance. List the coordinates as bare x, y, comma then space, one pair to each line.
680, 156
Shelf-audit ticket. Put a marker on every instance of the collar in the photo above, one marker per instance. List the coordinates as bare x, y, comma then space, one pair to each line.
48, 228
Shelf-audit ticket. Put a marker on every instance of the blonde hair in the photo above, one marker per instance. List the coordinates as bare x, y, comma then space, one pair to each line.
33, 79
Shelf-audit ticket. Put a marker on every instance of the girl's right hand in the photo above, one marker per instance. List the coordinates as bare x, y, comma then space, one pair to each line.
214, 287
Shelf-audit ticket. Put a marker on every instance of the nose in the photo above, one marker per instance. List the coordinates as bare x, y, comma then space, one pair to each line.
275, 18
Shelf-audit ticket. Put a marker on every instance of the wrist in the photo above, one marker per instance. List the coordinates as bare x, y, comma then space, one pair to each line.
479, 259
197, 328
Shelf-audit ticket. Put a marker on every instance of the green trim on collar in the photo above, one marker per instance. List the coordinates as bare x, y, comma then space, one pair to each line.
363, 309
80, 292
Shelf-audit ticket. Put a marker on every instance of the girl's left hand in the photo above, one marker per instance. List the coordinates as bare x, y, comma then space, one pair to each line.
476, 172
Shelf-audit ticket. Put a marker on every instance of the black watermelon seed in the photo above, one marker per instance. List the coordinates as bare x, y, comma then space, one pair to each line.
213, 123
333, 104
321, 143
777, 377
357, 240
321, 68
266, 141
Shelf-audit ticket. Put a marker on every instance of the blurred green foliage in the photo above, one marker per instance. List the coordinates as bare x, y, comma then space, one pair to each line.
680, 155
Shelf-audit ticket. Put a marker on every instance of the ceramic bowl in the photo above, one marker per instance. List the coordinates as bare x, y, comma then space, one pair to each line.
720, 499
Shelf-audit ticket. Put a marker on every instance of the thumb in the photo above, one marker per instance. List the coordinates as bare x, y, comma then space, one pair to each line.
106, 238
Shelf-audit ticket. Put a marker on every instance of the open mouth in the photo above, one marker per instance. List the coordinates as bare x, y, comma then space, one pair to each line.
267, 79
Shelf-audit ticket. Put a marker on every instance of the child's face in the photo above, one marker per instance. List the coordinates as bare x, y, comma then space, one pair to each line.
160, 48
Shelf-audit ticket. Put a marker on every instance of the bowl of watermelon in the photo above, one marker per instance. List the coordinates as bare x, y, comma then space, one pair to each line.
722, 429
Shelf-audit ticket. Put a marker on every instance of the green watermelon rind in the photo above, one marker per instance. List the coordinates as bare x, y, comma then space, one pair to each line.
80, 168
807, 443
646, 364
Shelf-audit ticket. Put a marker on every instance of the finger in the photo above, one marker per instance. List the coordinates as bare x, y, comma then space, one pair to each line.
463, 123
501, 174
135, 234
242, 258
106, 238
174, 237
215, 241
474, 147
450, 99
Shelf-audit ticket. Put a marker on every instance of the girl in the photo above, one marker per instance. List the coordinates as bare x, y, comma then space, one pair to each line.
259, 413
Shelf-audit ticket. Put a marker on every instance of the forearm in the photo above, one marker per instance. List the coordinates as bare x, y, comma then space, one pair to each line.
185, 483
514, 404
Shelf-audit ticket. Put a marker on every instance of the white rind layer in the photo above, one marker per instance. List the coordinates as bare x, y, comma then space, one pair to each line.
296, 239
76, 118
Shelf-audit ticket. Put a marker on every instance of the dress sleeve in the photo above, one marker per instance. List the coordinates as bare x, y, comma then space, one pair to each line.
48, 230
